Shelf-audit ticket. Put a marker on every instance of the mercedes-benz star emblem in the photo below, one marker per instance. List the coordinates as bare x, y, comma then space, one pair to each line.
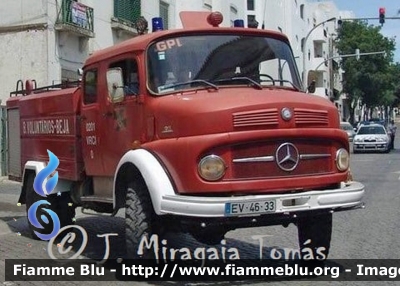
286, 114
287, 157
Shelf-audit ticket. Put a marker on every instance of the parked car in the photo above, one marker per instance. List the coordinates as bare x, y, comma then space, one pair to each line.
371, 137
346, 126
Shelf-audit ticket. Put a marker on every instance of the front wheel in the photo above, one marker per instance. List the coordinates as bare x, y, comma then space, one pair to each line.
315, 234
140, 220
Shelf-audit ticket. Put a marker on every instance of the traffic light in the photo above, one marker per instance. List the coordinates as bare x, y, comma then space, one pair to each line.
381, 15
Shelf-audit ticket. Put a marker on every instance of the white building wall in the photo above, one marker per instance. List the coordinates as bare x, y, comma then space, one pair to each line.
283, 16
209, 5
181, 5
151, 8
22, 50
43, 54
18, 62
231, 10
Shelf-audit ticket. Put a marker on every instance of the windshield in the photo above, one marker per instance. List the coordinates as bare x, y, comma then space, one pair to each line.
371, 130
212, 61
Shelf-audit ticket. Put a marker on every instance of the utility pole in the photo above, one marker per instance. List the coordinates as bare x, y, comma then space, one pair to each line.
330, 67
304, 76
357, 54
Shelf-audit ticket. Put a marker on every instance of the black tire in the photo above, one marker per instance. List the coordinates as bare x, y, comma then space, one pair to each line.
32, 197
63, 206
140, 220
60, 204
315, 234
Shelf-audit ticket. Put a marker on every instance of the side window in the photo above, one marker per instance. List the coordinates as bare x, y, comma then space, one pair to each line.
130, 75
90, 85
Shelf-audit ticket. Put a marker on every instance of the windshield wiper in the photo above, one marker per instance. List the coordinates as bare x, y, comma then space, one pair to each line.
201, 81
254, 83
288, 81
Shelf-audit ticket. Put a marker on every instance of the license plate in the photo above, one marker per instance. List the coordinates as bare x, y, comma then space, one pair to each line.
258, 207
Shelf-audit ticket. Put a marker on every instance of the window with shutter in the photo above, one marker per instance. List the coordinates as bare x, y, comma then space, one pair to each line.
164, 7
127, 10
250, 5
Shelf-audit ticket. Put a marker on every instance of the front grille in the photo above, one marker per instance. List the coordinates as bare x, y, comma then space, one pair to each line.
311, 117
263, 117
259, 160
270, 118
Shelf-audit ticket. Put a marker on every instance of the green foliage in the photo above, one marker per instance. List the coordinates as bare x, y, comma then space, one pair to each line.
372, 78
396, 83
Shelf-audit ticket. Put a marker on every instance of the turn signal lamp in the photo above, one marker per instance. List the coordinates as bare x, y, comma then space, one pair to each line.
136, 145
157, 24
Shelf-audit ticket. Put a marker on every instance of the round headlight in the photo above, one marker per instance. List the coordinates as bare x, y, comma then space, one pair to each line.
342, 159
211, 168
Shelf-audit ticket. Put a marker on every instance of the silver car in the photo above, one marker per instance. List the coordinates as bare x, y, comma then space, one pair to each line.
346, 126
372, 137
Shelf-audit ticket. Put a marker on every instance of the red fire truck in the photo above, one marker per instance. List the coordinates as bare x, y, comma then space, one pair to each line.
203, 129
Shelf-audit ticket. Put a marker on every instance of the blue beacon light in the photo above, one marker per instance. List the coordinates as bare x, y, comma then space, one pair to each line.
238, 23
157, 24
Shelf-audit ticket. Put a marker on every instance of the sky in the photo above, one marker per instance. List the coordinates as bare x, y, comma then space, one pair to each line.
370, 8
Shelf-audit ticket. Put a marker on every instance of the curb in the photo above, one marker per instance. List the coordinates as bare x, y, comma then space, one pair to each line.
5, 180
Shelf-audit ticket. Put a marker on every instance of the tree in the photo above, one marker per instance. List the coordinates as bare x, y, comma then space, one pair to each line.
369, 80
395, 99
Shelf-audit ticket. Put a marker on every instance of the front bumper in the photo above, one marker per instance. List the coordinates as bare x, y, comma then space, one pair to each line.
347, 197
368, 146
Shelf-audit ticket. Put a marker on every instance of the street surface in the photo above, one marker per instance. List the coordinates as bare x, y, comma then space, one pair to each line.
372, 233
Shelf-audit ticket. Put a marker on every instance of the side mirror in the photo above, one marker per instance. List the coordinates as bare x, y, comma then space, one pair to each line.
311, 81
80, 72
311, 87
115, 85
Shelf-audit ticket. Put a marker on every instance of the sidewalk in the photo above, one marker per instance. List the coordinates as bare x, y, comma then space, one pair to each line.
4, 179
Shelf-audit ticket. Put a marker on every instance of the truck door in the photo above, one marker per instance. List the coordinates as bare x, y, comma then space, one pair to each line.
91, 124
122, 121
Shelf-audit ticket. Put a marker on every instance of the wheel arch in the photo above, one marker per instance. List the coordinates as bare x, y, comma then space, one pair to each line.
140, 164
31, 167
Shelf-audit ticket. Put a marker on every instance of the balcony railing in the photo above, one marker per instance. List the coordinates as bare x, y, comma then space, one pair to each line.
76, 18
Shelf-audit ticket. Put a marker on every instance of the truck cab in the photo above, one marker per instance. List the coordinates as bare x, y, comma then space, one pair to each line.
203, 130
